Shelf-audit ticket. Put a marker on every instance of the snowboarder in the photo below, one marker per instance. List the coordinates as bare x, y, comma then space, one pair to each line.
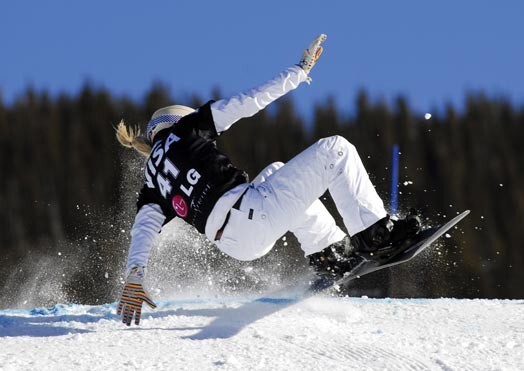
187, 177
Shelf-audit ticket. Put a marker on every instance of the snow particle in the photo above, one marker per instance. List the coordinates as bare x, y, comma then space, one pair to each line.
427, 116
447, 235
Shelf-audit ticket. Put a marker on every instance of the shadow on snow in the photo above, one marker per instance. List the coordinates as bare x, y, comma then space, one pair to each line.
227, 321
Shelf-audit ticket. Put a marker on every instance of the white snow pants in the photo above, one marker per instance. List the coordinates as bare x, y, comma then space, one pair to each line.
284, 197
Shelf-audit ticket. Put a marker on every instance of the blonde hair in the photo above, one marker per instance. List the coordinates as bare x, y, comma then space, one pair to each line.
132, 138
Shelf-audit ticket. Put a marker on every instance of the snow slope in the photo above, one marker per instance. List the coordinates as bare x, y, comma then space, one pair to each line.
319, 333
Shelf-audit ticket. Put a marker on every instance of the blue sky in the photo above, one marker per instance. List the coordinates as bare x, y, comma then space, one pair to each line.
430, 51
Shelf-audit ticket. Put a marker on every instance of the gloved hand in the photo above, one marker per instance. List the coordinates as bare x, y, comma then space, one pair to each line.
133, 295
312, 53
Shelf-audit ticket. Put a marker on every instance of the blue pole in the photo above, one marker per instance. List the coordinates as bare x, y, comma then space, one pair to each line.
394, 178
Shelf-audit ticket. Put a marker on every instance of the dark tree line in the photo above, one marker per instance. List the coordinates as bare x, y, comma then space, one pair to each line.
67, 190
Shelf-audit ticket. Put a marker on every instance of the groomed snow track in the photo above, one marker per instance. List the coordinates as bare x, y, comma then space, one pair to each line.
319, 333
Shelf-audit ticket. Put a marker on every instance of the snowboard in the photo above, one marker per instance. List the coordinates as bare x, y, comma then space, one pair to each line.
422, 241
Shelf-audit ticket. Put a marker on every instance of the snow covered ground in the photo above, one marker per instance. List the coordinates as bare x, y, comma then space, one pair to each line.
318, 333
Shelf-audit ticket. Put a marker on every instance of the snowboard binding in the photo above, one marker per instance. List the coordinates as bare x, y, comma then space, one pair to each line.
335, 260
387, 238
380, 243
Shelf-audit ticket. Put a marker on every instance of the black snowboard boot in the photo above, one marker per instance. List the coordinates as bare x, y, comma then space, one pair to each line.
380, 242
387, 238
335, 260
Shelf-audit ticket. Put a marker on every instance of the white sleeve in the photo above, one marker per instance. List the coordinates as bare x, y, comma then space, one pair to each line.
228, 111
148, 223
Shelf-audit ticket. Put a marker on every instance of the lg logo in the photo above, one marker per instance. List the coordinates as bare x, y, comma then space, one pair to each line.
180, 206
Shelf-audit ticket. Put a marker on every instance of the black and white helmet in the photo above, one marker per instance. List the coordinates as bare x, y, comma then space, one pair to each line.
165, 118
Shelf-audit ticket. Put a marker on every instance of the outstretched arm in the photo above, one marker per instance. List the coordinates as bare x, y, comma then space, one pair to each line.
228, 111
148, 222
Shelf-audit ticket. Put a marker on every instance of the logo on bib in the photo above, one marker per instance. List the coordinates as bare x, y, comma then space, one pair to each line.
180, 206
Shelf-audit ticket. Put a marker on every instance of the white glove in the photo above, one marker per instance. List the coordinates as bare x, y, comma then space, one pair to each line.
133, 296
312, 53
